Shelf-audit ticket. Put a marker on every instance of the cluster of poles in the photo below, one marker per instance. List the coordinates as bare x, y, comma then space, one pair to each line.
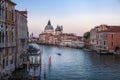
39, 68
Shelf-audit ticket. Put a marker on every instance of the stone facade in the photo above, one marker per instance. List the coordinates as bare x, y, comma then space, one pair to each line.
13, 36
95, 36
105, 38
21, 36
7, 36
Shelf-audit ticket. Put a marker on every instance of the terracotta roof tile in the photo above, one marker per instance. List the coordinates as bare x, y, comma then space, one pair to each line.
114, 29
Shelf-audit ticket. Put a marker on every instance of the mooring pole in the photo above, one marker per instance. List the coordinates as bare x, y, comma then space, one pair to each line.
44, 71
33, 73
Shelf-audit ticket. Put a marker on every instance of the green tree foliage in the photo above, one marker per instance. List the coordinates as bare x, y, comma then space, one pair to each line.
117, 48
86, 35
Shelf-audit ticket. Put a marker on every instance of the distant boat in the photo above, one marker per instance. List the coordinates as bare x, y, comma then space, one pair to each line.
59, 54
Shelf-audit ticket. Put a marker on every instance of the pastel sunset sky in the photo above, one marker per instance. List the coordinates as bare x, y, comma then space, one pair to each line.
76, 16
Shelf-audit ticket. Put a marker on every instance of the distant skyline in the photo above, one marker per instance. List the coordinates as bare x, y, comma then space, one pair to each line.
76, 16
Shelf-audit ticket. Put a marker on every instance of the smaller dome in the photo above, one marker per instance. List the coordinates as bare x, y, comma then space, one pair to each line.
58, 28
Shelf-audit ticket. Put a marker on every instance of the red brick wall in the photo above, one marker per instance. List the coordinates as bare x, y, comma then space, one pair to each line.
115, 40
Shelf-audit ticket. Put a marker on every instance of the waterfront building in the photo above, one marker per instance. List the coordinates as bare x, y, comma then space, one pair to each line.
94, 41
33, 39
7, 36
44, 38
21, 36
110, 39
78, 44
58, 37
87, 43
105, 38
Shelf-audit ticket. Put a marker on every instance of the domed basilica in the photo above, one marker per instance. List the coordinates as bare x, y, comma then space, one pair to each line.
49, 29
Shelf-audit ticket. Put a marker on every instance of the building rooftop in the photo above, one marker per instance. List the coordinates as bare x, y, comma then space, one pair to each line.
10, 1
114, 29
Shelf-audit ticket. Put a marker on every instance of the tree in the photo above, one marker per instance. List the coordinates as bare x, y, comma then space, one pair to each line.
86, 35
117, 48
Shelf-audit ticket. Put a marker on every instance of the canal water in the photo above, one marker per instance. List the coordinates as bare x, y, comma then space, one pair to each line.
76, 64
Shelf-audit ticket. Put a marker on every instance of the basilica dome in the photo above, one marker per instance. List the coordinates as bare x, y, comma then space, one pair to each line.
49, 26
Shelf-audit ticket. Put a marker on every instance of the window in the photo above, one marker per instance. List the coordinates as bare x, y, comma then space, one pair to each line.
105, 36
12, 28
13, 50
104, 42
98, 35
2, 26
112, 44
11, 61
12, 36
6, 27
6, 36
97, 42
6, 13
6, 62
112, 36
104, 47
6, 51
3, 37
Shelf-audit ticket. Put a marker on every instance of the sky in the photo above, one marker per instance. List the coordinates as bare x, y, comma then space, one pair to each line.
76, 16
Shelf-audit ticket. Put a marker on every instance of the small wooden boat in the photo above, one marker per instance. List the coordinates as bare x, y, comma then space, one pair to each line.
59, 54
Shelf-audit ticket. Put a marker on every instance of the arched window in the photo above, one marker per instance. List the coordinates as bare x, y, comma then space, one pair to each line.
6, 16
12, 37
6, 27
3, 37
6, 37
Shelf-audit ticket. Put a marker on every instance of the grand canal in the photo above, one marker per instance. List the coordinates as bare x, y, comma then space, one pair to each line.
76, 64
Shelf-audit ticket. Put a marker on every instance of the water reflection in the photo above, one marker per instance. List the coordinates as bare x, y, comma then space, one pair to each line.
75, 64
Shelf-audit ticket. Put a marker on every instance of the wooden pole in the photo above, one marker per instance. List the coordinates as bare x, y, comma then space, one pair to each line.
33, 74
44, 71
